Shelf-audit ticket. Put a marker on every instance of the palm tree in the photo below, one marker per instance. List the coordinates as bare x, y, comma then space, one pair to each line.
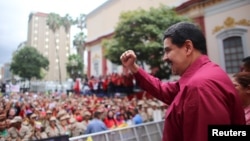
67, 21
79, 39
54, 23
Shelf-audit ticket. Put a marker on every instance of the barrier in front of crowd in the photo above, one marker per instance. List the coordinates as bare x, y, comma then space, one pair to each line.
151, 131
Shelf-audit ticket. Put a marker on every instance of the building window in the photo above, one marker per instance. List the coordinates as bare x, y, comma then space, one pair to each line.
46, 40
233, 47
35, 31
233, 53
36, 18
96, 68
47, 33
35, 38
46, 46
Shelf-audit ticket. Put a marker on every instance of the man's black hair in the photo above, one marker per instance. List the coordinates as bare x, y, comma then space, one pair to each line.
97, 114
246, 59
182, 31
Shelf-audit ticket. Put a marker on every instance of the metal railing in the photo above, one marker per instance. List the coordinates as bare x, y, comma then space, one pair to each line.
151, 131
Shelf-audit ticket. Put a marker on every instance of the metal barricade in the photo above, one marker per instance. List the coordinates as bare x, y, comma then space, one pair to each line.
151, 131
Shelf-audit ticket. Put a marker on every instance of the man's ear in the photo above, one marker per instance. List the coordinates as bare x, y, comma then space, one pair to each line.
189, 46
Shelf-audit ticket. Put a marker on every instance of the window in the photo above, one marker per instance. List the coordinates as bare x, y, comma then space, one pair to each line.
233, 47
233, 53
96, 68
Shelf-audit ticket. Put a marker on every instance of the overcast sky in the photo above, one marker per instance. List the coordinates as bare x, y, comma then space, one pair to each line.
14, 19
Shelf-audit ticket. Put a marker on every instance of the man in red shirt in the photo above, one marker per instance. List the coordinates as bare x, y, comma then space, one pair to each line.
204, 95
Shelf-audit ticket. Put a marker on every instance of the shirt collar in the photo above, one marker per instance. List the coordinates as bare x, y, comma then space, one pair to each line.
193, 68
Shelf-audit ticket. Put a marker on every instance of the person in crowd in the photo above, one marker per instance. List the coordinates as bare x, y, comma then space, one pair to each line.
96, 125
3, 129
76, 128
64, 127
45, 121
53, 129
111, 87
87, 116
31, 122
39, 132
17, 131
143, 112
198, 98
245, 64
110, 120
11, 113
137, 118
120, 122
241, 82
157, 115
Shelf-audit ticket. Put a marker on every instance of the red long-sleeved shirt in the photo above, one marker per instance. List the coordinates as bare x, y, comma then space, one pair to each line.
204, 95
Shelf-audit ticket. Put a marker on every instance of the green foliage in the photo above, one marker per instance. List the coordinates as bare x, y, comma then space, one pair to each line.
142, 31
80, 21
66, 22
29, 63
74, 66
54, 21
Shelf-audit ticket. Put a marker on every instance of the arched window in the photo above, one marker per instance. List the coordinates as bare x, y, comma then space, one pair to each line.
233, 53
233, 48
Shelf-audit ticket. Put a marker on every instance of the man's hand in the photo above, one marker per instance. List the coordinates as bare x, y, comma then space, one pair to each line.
128, 59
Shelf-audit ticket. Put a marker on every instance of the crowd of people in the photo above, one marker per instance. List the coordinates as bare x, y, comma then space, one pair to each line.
107, 85
32, 116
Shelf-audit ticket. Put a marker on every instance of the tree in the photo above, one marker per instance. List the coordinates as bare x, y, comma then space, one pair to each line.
74, 66
142, 31
55, 21
79, 38
67, 22
28, 63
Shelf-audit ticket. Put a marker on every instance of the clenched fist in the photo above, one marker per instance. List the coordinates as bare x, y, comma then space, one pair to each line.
128, 59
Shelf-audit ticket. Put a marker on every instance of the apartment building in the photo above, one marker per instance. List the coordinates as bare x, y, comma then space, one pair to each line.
54, 46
